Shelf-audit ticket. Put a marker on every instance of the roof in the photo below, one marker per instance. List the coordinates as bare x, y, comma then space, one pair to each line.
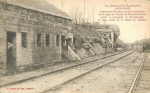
115, 29
84, 31
104, 30
39, 5
109, 28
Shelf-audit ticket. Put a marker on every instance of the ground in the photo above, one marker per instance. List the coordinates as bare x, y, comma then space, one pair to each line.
116, 77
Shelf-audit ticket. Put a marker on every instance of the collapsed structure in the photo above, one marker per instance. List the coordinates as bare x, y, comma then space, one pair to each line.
35, 32
96, 39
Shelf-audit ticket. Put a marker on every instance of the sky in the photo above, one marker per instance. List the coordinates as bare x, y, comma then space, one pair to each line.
130, 31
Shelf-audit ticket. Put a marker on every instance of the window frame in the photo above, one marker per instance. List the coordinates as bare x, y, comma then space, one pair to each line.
57, 40
49, 40
39, 41
24, 40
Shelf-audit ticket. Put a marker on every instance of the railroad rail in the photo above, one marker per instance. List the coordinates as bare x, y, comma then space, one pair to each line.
60, 70
57, 87
137, 76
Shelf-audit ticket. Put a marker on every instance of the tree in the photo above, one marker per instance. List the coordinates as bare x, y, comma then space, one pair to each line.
77, 17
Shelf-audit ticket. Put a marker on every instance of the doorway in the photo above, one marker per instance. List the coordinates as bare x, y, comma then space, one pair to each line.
11, 51
68, 41
63, 48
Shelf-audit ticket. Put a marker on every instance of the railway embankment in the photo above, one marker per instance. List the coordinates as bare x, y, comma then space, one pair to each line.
24, 76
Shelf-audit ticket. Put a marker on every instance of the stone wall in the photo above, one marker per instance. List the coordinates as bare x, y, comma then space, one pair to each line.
18, 19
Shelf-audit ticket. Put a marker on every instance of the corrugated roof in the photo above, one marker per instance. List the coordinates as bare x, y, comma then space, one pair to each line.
39, 5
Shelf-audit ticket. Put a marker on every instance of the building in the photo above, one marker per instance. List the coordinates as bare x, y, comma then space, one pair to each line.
32, 32
87, 42
108, 34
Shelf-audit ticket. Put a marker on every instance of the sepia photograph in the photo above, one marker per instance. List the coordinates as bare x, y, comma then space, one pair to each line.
74, 46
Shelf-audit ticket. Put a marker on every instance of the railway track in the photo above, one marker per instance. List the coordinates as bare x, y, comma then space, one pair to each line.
116, 77
141, 82
60, 70
57, 87
82, 70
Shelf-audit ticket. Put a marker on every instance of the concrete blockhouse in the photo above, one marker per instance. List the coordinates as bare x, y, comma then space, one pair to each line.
32, 32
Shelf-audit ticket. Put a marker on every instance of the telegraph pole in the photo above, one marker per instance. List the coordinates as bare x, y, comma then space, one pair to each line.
93, 14
145, 41
84, 11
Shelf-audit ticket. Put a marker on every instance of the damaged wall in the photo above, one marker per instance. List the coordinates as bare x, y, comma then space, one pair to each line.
18, 19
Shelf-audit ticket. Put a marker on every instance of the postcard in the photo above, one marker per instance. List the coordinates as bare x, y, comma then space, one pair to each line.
74, 46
